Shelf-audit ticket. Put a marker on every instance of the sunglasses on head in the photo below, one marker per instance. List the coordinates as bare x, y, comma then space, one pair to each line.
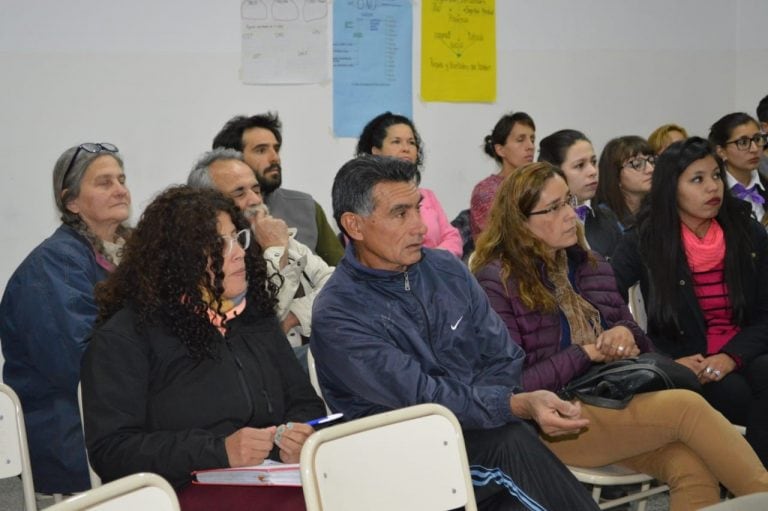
88, 147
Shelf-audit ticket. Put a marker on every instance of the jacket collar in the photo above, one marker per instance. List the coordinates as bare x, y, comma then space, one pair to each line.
353, 265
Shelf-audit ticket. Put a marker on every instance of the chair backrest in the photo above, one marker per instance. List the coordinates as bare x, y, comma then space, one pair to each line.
637, 306
313, 378
141, 491
408, 459
753, 502
95, 479
14, 453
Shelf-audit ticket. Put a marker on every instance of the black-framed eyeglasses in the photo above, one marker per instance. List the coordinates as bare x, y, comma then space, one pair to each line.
744, 143
638, 163
243, 238
570, 200
89, 147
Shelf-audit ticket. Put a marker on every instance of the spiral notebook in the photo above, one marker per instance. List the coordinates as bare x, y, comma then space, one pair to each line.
269, 473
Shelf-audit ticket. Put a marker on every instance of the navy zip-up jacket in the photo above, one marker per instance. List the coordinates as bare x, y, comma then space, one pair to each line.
384, 340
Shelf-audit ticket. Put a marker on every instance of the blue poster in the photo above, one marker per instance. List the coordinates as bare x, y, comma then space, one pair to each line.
372, 41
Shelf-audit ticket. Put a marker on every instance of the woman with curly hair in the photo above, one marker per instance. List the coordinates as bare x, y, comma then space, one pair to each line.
560, 303
48, 310
395, 136
189, 368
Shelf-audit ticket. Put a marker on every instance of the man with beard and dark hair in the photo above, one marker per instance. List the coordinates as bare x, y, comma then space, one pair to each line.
259, 139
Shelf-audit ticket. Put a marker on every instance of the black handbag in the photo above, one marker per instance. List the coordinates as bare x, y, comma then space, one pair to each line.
614, 384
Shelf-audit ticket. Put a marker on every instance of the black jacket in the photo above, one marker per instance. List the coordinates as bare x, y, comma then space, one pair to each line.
690, 336
148, 406
603, 230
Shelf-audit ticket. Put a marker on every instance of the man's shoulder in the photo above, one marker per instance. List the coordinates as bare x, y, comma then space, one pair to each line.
442, 261
290, 195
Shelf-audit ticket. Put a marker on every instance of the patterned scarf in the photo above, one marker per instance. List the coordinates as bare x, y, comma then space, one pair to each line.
583, 318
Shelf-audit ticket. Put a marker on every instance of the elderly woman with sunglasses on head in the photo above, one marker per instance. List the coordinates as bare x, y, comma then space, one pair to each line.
189, 368
702, 264
48, 310
560, 303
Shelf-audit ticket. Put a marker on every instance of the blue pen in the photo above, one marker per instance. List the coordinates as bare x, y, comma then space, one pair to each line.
324, 420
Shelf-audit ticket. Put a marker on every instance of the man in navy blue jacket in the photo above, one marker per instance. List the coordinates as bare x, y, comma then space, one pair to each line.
398, 325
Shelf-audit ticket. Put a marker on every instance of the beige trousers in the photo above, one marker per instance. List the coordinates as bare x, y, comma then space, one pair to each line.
673, 435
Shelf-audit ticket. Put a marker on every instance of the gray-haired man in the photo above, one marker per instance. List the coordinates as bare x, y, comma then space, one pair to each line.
303, 273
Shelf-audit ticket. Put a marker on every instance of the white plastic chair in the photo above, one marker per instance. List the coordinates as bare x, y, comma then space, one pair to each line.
636, 305
14, 453
615, 475
752, 502
143, 491
95, 479
408, 459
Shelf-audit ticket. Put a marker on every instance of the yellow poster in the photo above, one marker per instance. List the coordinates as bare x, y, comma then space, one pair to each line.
458, 50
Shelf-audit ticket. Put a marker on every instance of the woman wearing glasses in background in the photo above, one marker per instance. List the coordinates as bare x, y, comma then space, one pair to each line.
48, 310
739, 143
560, 303
702, 264
626, 168
189, 368
571, 151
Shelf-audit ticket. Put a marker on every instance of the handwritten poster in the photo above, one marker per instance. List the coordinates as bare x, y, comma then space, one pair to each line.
372, 42
458, 50
284, 41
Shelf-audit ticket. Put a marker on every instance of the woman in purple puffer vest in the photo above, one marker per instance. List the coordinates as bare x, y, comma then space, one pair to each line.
560, 302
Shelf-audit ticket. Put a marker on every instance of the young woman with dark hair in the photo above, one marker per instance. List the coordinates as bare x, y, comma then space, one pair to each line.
512, 144
572, 152
739, 143
395, 135
702, 264
626, 167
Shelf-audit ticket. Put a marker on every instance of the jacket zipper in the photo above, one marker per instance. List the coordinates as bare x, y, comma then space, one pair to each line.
241, 378
424, 312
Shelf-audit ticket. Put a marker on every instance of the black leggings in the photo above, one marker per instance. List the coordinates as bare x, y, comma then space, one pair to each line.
742, 396
517, 451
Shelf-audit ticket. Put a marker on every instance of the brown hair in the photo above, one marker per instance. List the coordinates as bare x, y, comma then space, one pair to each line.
508, 239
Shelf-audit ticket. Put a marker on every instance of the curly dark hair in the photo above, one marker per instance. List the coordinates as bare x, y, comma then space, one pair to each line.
166, 265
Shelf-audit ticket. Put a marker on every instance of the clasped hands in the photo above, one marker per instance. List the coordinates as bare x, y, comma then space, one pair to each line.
708, 368
251, 446
613, 344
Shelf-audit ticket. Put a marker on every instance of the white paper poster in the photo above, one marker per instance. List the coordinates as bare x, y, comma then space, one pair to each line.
284, 41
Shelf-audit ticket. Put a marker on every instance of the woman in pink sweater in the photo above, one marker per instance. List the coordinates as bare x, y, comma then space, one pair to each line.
395, 135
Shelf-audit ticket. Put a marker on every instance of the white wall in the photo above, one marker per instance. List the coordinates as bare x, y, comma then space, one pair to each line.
159, 77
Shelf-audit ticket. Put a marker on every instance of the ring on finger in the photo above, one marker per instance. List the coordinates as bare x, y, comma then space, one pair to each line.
708, 370
716, 373
620, 348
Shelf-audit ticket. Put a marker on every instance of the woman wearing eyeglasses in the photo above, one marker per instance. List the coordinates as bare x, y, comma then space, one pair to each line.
739, 143
48, 310
571, 151
626, 168
702, 264
189, 368
560, 303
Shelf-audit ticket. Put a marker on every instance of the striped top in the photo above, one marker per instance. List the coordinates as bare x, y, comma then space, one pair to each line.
712, 293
